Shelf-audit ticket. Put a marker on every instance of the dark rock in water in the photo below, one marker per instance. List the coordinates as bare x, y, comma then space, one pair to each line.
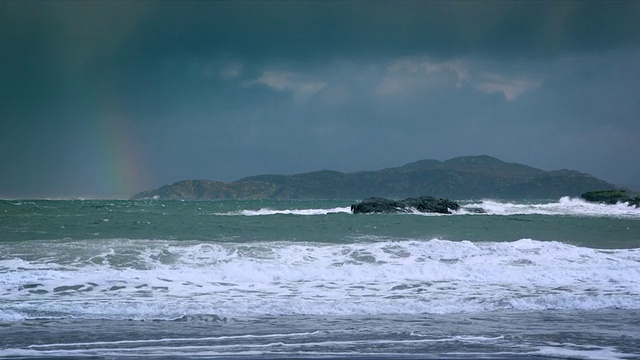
611, 197
475, 210
605, 196
426, 204
377, 205
432, 204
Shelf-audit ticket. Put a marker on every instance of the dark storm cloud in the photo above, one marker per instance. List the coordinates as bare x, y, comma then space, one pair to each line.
224, 89
309, 29
306, 30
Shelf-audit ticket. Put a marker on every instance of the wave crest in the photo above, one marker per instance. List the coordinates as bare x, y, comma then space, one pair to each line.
566, 206
285, 278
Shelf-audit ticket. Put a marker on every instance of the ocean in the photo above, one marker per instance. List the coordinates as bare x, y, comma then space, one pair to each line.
307, 279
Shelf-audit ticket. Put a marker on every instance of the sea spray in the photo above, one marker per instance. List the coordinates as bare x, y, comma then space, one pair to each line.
126, 279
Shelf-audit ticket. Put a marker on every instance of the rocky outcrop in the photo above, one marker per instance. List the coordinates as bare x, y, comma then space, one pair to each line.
425, 204
611, 197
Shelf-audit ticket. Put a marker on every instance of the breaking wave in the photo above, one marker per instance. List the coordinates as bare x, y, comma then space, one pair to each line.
566, 206
153, 279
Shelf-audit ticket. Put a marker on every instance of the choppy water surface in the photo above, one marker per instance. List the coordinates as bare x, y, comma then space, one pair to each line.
296, 279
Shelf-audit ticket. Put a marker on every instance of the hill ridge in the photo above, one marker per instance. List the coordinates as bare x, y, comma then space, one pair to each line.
464, 177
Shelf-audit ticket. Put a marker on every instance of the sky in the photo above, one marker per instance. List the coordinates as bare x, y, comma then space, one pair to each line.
106, 99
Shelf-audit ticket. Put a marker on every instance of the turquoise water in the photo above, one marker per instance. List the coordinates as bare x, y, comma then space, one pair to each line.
318, 221
308, 279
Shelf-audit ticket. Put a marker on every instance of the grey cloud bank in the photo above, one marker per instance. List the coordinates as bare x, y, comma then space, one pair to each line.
110, 98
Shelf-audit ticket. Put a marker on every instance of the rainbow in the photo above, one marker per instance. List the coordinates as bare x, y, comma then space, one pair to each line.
123, 171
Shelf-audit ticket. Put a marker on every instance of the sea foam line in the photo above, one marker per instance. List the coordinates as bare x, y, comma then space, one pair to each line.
565, 206
599, 353
213, 338
279, 344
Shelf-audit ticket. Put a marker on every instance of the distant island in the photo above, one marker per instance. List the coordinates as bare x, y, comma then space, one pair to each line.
468, 177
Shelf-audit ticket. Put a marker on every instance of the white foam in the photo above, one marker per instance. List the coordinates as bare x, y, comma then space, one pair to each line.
169, 280
177, 340
566, 206
571, 351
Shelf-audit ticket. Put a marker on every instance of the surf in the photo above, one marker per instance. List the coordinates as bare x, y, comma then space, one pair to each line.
166, 280
565, 206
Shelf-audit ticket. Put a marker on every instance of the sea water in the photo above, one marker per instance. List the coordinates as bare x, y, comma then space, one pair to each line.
308, 279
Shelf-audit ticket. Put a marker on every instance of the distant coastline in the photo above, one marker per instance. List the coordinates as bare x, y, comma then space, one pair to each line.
467, 177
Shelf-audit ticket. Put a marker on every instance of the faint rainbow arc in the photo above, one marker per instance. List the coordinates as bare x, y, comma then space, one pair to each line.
124, 168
